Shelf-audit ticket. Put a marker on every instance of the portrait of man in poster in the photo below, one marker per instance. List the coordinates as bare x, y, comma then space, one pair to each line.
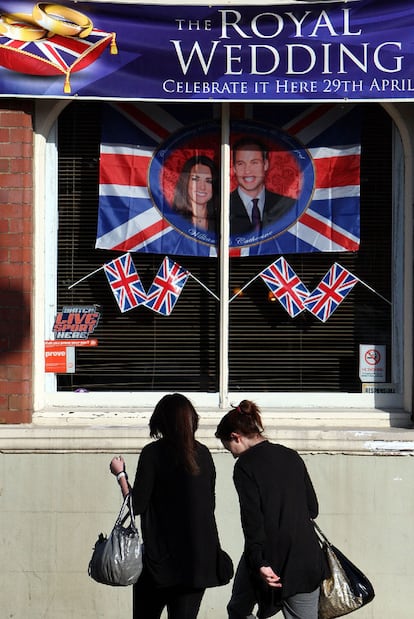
253, 206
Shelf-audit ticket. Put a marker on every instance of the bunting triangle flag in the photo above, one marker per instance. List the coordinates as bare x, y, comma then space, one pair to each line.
286, 286
166, 287
125, 283
330, 292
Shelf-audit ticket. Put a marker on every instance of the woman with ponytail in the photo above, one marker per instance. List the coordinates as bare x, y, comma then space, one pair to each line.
282, 565
174, 493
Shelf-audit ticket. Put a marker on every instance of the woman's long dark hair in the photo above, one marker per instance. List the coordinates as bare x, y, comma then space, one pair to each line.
181, 202
244, 419
176, 420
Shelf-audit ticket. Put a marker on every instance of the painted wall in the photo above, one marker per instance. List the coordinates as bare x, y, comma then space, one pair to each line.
53, 506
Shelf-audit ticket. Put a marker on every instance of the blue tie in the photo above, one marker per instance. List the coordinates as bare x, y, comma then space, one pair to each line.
256, 215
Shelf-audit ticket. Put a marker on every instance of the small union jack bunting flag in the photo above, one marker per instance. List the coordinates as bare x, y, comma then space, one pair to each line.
332, 290
286, 286
125, 283
166, 287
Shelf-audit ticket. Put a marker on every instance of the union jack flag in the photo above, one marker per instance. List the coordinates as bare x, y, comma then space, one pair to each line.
132, 133
286, 286
54, 55
125, 283
330, 292
166, 287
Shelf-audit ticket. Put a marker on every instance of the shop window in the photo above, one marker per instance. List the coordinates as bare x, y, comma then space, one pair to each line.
269, 351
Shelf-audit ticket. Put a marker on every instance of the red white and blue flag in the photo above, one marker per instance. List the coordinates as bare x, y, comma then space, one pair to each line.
330, 292
286, 286
331, 222
125, 283
143, 144
166, 287
54, 55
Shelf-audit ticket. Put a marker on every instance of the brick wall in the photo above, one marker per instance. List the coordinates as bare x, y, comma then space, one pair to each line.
16, 245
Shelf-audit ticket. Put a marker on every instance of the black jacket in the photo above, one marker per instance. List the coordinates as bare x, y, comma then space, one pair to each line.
181, 544
275, 206
277, 503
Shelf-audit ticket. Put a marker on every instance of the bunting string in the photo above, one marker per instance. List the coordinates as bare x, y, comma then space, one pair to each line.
284, 284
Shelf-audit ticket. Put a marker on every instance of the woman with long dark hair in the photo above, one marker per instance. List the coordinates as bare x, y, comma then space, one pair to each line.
174, 493
282, 565
196, 193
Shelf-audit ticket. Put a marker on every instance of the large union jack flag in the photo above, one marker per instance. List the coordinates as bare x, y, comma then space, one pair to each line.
330, 292
133, 135
125, 283
166, 287
286, 286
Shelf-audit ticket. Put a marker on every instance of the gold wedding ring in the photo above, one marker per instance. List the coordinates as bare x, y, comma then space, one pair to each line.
61, 20
21, 27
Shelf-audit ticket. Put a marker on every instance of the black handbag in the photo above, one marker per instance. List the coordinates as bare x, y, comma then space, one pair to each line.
117, 559
347, 588
225, 570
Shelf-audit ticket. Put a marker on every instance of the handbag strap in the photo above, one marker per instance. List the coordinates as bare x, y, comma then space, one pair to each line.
321, 534
126, 511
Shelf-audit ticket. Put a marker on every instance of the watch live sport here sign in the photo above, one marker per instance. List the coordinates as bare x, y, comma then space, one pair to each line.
372, 367
72, 327
359, 49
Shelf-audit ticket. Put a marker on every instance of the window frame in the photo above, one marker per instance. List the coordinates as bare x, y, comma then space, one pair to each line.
46, 216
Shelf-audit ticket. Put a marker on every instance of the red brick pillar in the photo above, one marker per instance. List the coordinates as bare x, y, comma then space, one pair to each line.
16, 246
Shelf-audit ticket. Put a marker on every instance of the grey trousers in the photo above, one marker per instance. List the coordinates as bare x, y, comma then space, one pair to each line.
302, 606
242, 602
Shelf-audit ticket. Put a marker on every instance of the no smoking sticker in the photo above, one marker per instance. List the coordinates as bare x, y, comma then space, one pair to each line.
372, 356
372, 363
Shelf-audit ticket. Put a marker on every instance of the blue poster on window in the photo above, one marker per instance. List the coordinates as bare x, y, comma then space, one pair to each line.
358, 49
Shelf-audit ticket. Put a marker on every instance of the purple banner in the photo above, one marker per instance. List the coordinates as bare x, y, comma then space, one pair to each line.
354, 50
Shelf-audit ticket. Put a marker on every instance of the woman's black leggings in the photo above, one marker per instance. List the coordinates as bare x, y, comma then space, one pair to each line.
149, 601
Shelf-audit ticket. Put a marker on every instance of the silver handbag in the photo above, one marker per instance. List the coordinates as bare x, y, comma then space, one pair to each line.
117, 559
347, 588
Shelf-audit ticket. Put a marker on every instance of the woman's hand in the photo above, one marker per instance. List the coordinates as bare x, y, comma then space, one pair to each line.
270, 578
117, 465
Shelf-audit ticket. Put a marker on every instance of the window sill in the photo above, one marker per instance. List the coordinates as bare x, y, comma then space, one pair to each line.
346, 431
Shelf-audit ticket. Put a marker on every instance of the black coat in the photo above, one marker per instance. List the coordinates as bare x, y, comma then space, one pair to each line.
275, 206
181, 544
277, 503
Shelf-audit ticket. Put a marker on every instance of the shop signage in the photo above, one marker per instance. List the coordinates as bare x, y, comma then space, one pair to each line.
72, 328
59, 360
381, 388
354, 50
76, 323
372, 367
